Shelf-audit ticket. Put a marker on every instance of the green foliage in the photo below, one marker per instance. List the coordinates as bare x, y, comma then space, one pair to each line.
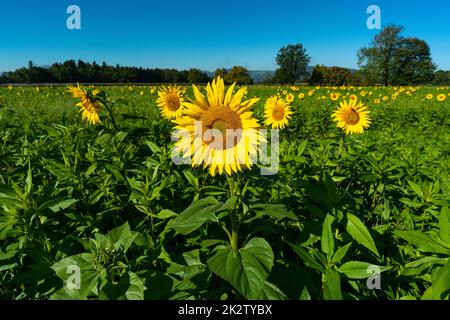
238, 75
292, 61
110, 203
395, 60
333, 76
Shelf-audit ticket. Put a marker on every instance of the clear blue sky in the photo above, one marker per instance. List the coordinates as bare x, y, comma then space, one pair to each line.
209, 34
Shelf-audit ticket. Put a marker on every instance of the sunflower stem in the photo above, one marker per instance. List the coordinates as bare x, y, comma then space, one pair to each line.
111, 114
233, 217
342, 143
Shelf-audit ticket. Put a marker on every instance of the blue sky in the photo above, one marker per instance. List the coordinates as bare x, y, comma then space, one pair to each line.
209, 34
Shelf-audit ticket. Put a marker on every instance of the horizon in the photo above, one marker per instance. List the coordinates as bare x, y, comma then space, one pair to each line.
138, 35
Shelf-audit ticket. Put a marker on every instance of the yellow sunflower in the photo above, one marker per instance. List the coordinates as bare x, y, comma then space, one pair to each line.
301, 96
290, 97
429, 96
90, 107
218, 131
334, 96
277, 112
352, 117
441, 97
170, 102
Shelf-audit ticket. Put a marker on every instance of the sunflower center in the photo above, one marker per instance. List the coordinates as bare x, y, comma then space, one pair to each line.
278, 113
223, 120
352, 117
172, 101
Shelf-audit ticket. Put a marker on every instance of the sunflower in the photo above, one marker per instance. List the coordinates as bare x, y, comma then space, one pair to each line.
224, 115
377, 101
277, 112
334, 96
441, 97
429, 96
352, 117
301, 96
289, 98
353, 97
90, 106
170, 102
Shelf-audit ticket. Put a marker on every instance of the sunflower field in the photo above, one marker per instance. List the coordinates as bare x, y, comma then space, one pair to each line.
94, 204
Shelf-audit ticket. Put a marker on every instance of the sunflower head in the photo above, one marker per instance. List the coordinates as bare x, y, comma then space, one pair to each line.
290, 97
277, 112
352, 117
441, 97
334, 96
89, 102
218, 131
170, 102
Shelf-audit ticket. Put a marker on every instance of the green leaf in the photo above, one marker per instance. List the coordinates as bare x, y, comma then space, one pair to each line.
416, 188
277, 211
7, 192
307, 258
103, 139
29, 179
121, 237
332, 285
57, 204
166, 214
423, 241
196, 215
153, 147
248, 270
271, 292
74, 268
444, 225
441, 283
360, 270
340, 253
191, 178
327, 239
130, 287
359, 232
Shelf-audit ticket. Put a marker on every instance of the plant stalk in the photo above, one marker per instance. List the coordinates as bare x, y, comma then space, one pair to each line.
233, 217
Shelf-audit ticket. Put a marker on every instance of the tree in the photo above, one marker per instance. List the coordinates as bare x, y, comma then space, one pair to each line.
292, 61
318, 75
378, 58
197, 76
239, 75
220, 72
393, 59
412, 63
333, 76
442, 78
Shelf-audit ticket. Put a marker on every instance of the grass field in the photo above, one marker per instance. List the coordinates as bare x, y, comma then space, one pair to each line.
102, 212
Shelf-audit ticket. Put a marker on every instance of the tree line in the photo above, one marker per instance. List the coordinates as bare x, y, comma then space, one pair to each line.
71, 71
390, 59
